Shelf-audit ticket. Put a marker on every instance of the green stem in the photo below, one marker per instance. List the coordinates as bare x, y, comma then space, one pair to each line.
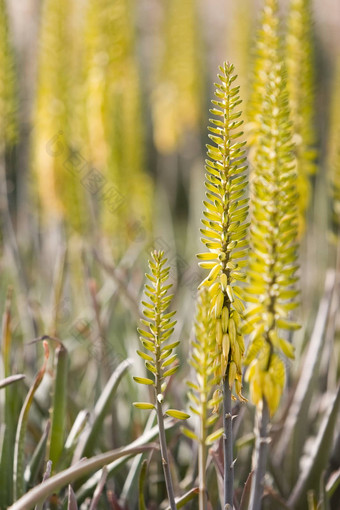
164, 454
260, 460
228, 445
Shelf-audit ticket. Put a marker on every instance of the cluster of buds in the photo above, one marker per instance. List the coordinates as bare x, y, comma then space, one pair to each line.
225, 230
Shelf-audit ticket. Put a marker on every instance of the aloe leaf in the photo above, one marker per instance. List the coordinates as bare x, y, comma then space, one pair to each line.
189, 496
310, 475
90, 434
88, 487
323, 499
333, 483
47, 474
58, 285
11, 411
33, 468
77, 428
56, 443
71, 500
245, 498
294, 425
67, 476
18, 466
129, 485
99, 489
141, 481
11, 379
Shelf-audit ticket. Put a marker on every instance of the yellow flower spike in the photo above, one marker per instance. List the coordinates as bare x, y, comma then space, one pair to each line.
224, 234
274, 217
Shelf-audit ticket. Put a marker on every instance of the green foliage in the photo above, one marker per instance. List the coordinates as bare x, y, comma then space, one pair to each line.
225, 229
273, 242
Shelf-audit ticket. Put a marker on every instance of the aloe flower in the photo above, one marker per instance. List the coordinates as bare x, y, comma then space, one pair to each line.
159, 358
225, 236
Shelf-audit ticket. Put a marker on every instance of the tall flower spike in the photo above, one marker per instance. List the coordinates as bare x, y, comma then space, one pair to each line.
300, 85
225, 228
273, 246
201, 390
159, 357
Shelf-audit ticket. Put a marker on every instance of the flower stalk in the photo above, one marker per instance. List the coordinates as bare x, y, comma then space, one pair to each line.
225, 236
201, 389
273, 255
160, 359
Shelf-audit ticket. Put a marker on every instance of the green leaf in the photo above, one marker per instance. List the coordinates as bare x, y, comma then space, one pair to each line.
141, 483
91, 430
58, 418
19, 457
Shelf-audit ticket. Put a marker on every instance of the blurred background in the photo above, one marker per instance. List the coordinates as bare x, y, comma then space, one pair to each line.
104, 130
